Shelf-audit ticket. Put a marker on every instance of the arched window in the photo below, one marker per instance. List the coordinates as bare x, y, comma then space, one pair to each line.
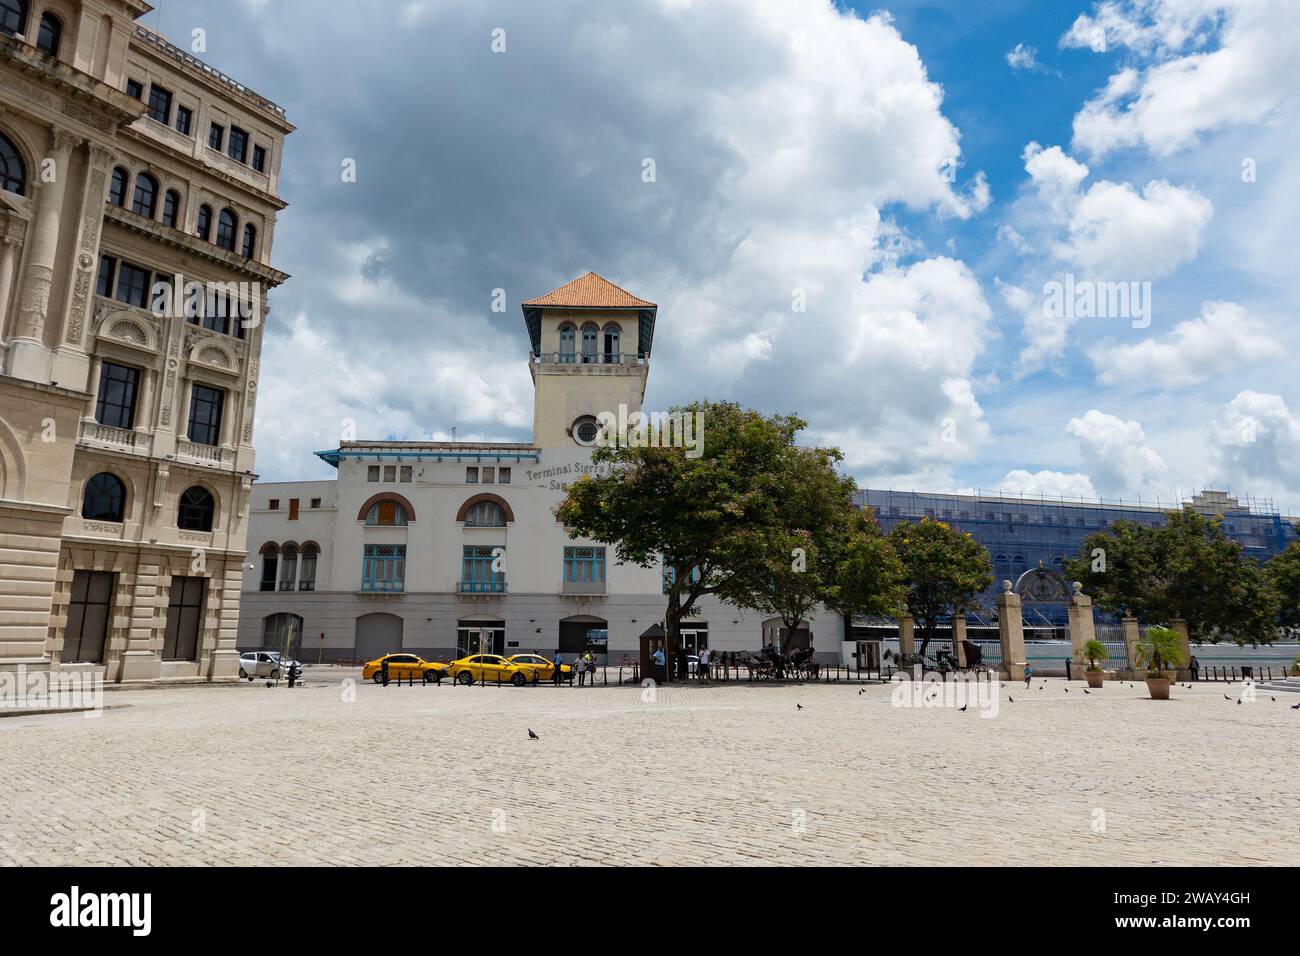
105, 498
250, 240
485, 514
308, 578
13, 16
270, 557
226, 230
568, 343
171, 213
386, 513
13, 172
203, 225
196, 509
117, 187
47, 37
590, 337
145, 200
610, 335
288, 567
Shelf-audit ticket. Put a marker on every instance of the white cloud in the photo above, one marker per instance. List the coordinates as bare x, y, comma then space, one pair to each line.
1221, 340
1049, 484
1186, 90
1022, 57
1256, 444
1115, 454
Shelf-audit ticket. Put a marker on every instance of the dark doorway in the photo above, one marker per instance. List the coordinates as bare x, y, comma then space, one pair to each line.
87, 628
583, 634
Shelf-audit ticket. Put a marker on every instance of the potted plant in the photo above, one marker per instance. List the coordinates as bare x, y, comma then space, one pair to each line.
1162, 646
1093, 651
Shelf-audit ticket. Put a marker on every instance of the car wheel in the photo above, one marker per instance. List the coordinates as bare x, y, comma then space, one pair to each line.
243, 675
518, 679
465, 677
536, 678
378, 677
275, 674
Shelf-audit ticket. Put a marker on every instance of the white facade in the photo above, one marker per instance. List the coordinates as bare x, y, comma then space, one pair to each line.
352, 606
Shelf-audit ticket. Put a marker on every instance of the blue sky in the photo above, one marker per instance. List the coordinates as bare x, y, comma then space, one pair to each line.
800, 146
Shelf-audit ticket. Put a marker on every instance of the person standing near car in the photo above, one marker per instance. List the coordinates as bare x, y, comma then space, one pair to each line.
383, 671
580, 665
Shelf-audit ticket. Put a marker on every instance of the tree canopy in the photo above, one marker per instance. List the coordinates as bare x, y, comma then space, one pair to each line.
945, 570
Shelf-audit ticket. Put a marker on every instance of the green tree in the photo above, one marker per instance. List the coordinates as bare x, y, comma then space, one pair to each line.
791, 565
708, 518
1187, 567
1284, 571
868, 578
944, 570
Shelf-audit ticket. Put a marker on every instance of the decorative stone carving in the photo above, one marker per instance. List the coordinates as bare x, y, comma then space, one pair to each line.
214, 356
128, 330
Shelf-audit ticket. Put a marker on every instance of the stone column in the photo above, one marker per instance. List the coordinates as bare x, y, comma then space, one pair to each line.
906, 635
1131, 637
8, 254
1184, 671
959, 635
1082, 627
1011, 629
28, 357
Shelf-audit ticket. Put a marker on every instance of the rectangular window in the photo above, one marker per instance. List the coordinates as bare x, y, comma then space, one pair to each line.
471, 475
293, 509
216, 312
670, 577
406, 473
135, 89
133, 285
238, 149
184, 119
315, 502
372, 473
273, 504
118, 385
503, 476
584, 565
259, 159
104, 284
489, 476
216, 134
88, 614
288, 569
390, 472
205, 415
184, 619
383, 567
476, 574
268, 573
160, 104
308, 580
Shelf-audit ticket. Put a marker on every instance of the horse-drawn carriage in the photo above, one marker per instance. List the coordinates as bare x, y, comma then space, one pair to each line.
946, 662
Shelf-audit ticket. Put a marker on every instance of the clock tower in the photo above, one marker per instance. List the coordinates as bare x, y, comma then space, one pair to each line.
590, 354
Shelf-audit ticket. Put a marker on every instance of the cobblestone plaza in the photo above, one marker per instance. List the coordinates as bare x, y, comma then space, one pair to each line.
346, 772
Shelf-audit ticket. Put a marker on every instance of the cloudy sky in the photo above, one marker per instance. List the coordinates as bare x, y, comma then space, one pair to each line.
863, 214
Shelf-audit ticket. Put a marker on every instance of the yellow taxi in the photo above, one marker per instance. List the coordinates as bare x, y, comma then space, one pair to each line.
403, 667
487, 668
539, 668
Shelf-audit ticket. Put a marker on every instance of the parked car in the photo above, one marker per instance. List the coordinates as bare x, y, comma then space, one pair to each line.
254, 664
492, 668
539, 668
402, 667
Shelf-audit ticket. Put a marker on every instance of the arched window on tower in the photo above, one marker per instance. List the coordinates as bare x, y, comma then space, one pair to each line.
288, 567
485, 514
49, 34
203, 225
104, 498
197, 509
568, 343
145, 200
117, 187
270, 559
610, 337
171, 211
590, 340
226, 230
250, 240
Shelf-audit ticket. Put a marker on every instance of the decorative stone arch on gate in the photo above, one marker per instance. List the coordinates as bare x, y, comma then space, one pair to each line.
1044, 585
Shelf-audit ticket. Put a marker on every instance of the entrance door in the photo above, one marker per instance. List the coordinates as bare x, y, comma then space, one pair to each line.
588, 634
83, 638
483, 639
377, 635
695, 636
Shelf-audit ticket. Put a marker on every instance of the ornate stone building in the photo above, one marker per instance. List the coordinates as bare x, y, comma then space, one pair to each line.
138, 208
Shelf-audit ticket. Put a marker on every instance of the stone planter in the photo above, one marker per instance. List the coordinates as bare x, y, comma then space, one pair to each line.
1095, 678
1158, 687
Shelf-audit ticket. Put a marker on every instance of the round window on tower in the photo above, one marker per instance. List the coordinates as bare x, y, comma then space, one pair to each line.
585, 430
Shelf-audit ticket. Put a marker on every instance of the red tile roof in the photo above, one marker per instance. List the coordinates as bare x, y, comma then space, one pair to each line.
590, 292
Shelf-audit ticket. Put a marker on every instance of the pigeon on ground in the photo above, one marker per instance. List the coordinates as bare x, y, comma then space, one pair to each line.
1086, 691
1273, 699
1226, 697
1295, 706
531, 735
1239, 700
963, 707
798, 706
1011, 699
1067, 690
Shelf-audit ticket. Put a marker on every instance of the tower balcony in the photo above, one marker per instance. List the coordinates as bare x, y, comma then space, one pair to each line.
587, 361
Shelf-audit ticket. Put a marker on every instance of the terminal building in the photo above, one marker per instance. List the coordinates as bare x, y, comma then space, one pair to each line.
126, 424
442, 548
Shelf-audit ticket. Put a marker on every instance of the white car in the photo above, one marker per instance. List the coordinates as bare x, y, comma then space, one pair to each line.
263, 664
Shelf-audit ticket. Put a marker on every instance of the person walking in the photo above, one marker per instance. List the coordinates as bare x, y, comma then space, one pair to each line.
581, 665
703, 667
1196, 668
557, 671
1029, 674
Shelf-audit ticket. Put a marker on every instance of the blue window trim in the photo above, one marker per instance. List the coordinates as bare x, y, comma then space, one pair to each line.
584, 565
476, 574
383, 568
